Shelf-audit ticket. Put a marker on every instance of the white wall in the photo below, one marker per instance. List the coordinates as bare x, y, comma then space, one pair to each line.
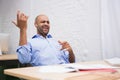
77, 21
0, 25
110, 25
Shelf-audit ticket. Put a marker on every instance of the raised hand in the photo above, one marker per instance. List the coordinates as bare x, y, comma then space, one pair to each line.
21, 21
65, 45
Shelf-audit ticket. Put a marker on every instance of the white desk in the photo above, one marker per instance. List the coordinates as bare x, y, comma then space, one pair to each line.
32, 73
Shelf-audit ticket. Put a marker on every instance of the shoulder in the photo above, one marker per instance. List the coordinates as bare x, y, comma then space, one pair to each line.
33, 39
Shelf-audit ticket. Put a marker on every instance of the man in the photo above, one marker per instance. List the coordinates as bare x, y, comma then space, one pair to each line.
42, 49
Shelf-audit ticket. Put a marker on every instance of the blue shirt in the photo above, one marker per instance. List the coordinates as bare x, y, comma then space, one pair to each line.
42, 51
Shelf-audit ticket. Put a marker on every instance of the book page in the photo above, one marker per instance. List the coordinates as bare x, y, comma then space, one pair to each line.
90, 66
56, 69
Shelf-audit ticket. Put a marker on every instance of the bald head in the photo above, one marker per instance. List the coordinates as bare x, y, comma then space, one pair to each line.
39, 17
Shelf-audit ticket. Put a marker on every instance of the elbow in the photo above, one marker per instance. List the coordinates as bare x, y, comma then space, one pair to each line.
23, 58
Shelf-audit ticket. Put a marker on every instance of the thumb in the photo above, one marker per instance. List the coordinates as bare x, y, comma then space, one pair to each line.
59, 41
15, 23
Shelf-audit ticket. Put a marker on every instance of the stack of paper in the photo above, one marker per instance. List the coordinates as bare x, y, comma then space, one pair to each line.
114, 61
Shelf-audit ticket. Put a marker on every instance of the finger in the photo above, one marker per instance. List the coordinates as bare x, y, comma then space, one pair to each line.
26, 17
14, 22
66, 49
21, 15
59, 41
64, 42
18, 15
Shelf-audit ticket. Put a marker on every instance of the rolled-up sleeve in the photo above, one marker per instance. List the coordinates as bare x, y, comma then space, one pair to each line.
24, 53
65, 56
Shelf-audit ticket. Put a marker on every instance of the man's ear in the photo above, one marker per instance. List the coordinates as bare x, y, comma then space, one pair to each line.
35, 24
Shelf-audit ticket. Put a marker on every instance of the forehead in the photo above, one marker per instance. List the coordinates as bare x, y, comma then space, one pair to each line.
42, 18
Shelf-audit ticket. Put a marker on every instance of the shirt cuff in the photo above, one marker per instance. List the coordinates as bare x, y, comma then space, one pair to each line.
23, 47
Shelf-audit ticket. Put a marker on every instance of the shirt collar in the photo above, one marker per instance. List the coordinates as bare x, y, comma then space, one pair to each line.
37, 35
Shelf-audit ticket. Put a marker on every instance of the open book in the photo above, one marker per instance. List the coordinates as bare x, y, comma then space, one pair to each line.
76, 67
92, 67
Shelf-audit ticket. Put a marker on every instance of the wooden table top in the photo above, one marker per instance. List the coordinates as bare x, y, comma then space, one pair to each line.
8, 57
33, 73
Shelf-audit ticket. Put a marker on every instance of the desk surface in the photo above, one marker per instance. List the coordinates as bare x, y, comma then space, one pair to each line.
8, 57
32, 73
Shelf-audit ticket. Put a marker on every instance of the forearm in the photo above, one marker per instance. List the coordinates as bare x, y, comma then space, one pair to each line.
23, 37
71, 56
66, 46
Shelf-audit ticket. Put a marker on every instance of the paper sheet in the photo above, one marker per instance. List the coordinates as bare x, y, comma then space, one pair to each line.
113, 61
56, 69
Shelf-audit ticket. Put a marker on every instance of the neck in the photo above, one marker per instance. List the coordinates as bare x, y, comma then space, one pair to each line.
42, 34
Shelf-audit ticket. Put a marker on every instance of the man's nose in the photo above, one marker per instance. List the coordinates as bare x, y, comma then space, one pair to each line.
46, 23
